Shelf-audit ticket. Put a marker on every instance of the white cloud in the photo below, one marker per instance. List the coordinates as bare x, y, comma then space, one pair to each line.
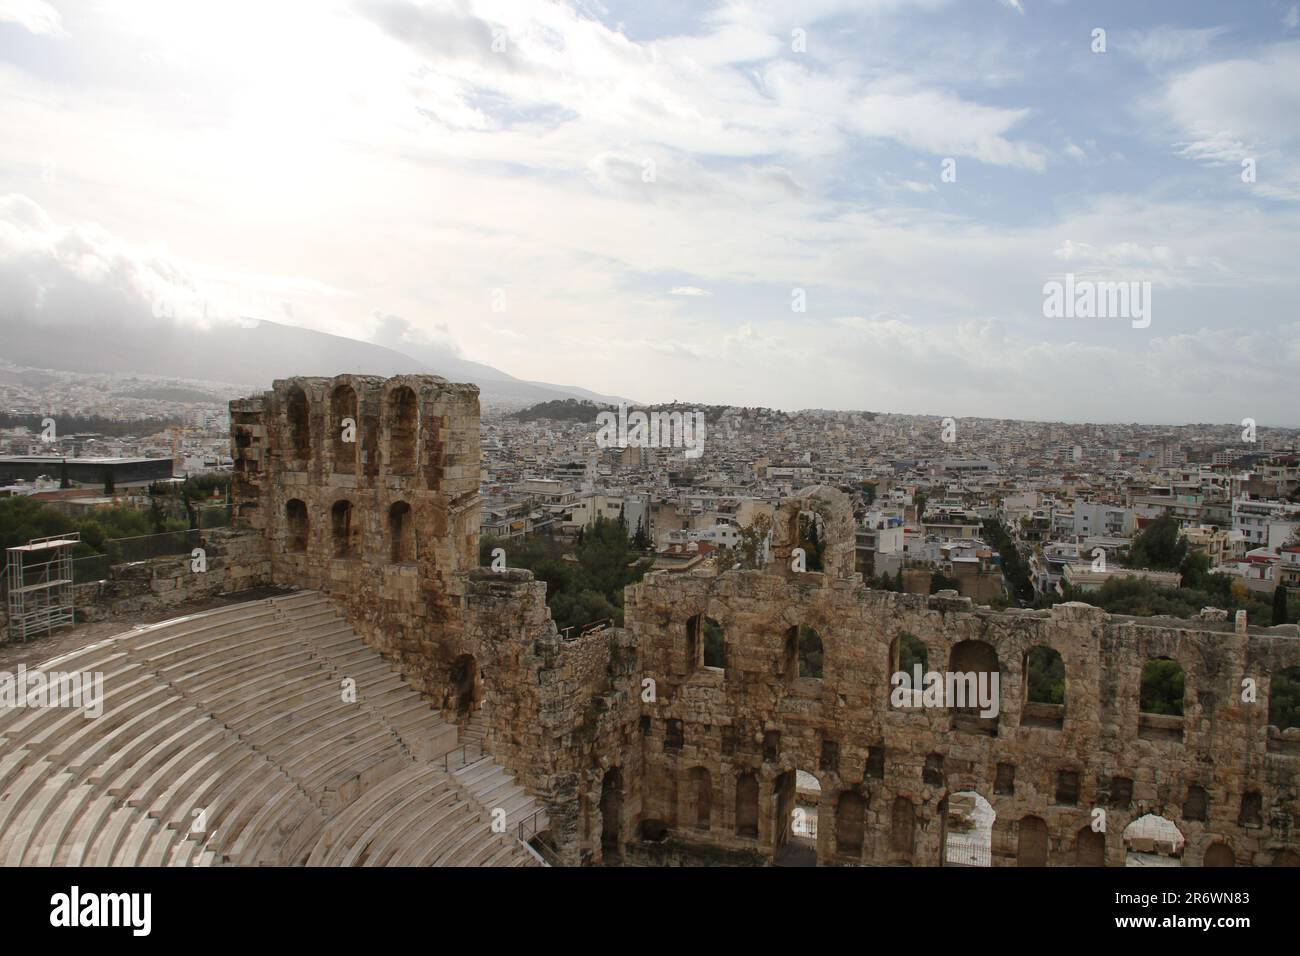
1231, 110
52, 274
1159, 48
36, 16
406, 170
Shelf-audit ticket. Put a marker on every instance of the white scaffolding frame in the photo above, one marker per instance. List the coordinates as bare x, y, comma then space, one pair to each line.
39, 579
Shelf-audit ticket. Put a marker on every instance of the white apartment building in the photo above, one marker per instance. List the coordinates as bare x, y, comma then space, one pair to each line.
1096, 518
1264, 523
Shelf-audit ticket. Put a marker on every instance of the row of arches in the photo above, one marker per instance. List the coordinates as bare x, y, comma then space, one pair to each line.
345, 530
1161, 692
400, 421
966, 828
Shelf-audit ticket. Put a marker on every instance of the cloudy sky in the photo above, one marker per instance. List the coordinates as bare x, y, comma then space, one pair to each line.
626, 196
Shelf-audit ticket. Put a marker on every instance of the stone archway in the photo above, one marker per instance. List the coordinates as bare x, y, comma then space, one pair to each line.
796, 802
1152, 840
464, 686
1090, 847
966, 828
1218, 854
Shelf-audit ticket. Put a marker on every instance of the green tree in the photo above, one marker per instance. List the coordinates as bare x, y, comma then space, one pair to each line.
749, 550
1279, 605
1160, 546
1162, 687
1014, 567
810, 541
911, 651
868, 490
1046, 676
941, 582
715, 647
1284, 699
584, 582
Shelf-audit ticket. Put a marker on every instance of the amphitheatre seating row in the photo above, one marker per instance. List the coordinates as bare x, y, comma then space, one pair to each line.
259, 733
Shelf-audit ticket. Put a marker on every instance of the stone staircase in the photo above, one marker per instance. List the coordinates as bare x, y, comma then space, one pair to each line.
259, 733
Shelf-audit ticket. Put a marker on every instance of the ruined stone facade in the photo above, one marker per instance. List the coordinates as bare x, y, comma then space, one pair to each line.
626, 734
367, 490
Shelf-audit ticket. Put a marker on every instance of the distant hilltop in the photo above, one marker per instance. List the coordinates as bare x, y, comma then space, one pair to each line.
581, 410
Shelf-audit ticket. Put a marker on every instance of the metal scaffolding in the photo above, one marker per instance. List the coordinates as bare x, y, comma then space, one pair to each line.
39, 579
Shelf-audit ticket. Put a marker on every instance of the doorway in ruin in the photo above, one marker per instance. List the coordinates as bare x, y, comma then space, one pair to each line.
1090, 847
1219, 854
796, 798
464, 685
1152, 840
1032, 842
611, 815
966, 821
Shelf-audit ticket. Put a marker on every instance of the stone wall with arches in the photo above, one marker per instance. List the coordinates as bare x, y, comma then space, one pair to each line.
687, 725
366, 488
1044, 768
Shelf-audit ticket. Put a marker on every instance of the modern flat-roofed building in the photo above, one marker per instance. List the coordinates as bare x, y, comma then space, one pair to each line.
111, 472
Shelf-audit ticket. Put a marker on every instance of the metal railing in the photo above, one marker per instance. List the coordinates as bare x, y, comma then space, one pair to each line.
530, 834
146, 546
527, 827
464, 750
567, 634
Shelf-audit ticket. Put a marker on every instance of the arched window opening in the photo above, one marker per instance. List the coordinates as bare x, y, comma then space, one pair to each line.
1044, 675
803, 655
344, 530
909, 657
1161, 700
403, 427
973, 688
299, 415
344, 429
401, 533
706, 644
296, 521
